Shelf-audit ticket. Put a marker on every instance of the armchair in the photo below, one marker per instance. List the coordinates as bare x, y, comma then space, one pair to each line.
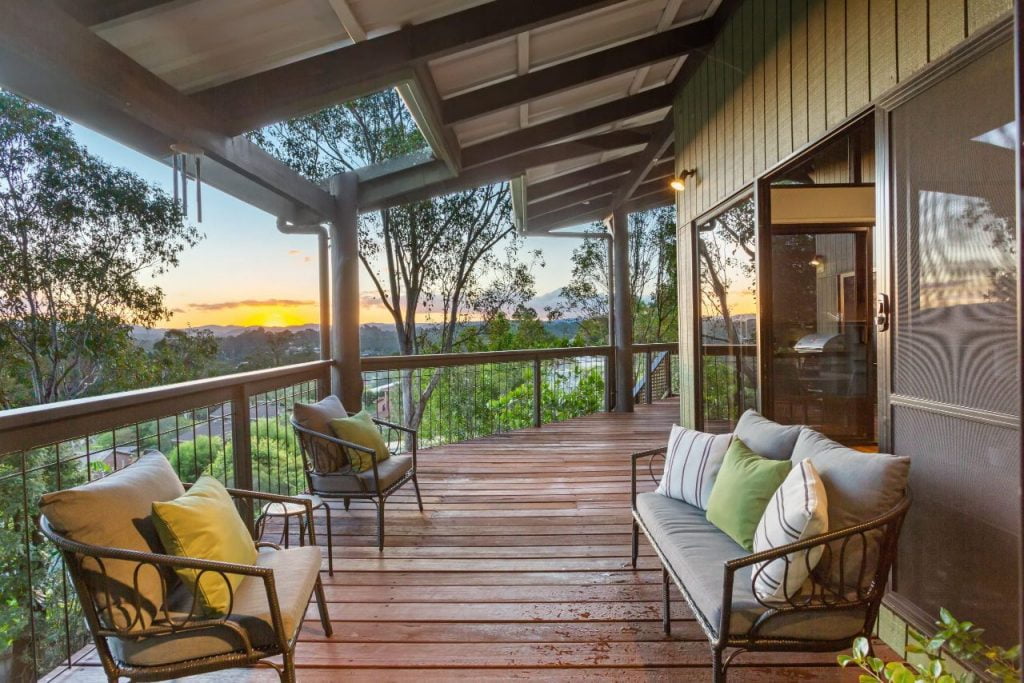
376, 484
145, 623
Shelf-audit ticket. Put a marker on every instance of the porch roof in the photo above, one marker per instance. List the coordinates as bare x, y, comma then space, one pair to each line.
570, 99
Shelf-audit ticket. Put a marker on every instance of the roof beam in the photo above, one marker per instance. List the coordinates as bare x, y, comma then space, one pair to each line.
427, 180
567, 126
662, 137
347, 72
566, 75
582, 199
576, 179
577, 217
92, 12
54, 60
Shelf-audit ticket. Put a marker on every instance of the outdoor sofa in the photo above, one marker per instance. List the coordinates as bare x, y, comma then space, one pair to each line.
867, 501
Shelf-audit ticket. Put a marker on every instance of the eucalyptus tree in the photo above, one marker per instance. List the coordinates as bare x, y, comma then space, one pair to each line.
429, 262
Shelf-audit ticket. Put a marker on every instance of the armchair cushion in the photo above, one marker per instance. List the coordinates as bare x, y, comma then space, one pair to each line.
391, 470
204, 524
114, 512
317, 416
766, 438
361, 430
295, 574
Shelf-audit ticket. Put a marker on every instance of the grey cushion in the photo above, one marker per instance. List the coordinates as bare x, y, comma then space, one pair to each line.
295, 574
327, 457
860, 487
766, 438
697, 552
114, 512
391, 470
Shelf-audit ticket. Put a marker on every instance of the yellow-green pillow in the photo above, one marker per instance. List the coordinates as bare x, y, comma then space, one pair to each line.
361, 430
742, 490
204, 524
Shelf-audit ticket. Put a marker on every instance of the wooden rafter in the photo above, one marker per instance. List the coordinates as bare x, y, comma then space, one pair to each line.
74, 76
580, 217
590, 174
568, 126
310, 84
662, 138
587, 197
576, 72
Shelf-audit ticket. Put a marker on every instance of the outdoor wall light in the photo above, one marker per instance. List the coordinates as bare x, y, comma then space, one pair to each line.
679, 184
818, 261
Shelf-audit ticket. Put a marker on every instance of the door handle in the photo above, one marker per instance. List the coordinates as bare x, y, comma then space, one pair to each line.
882, 312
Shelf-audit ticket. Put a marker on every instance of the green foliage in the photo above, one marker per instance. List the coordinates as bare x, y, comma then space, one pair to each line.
76, 237
960, 638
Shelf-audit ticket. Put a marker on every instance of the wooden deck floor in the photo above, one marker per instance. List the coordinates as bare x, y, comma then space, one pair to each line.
519, 568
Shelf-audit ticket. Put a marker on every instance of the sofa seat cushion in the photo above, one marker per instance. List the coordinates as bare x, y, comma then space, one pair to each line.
391, 470
295, 574
697, 552
114, 512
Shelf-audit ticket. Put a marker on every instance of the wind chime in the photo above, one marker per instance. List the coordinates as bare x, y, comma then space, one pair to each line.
184, 157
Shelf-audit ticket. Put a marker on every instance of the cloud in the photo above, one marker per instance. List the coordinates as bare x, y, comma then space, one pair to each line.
295, 252
225, 305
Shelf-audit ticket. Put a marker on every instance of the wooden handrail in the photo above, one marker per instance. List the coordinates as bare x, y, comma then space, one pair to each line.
438, 360
34, 426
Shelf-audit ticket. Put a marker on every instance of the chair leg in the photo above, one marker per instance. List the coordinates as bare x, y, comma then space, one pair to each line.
666, 606
636, 542
380, 524
321, 603
348, 502
330, 541
416, 485
287, 671
717, 670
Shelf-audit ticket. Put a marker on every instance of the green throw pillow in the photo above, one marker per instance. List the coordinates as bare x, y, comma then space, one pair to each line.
742, 490
204, 524
361, 430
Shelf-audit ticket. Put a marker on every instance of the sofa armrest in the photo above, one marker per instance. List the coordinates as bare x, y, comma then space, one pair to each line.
822, 595
650, 454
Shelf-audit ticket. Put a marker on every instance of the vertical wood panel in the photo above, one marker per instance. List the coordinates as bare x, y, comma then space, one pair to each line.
882, 29
858, 74
911, 36
748, 93
816, 117
981, 13
798, 20
946, 26
785, 87
784, 71
757, 44
835, 61
771, 94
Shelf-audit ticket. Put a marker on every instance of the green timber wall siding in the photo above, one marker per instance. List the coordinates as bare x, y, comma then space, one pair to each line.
785, 72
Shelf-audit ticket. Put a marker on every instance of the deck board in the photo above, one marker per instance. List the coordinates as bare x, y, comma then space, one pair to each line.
518, 569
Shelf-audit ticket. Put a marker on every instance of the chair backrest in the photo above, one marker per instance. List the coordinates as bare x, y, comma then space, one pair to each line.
322, 456
114, 512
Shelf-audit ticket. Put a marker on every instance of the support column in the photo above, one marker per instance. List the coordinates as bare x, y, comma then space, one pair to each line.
346, 375
622, 302
324, 276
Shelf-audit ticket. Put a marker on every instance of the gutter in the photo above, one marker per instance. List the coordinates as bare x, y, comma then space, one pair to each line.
324, 275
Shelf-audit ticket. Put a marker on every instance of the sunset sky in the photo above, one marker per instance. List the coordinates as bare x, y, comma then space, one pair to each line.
244, 272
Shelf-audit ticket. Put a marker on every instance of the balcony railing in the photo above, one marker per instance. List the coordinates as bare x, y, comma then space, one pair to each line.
236, 428
656, 371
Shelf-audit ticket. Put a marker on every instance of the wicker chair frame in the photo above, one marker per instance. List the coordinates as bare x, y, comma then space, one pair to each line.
863, 593
312, 442
166, 623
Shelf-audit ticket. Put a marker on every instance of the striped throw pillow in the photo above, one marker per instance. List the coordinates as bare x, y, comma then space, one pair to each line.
797, 511
692, 462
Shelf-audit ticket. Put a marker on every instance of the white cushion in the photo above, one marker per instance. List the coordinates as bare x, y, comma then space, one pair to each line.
797, 511
692, 462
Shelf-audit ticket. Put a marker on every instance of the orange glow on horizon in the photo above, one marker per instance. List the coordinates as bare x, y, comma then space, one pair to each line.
264, 316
